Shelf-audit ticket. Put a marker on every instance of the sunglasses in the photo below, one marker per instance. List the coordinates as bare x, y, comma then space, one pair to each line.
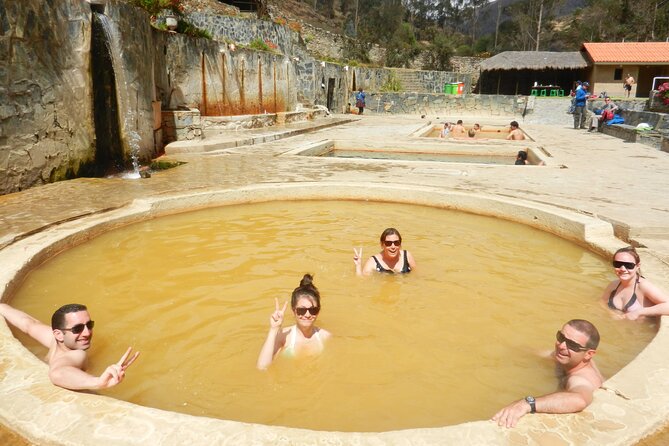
571, 345
301, 311
392, 242
627, 265
79, 328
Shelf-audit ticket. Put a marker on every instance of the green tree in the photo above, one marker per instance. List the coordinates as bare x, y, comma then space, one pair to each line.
403, 47
439, 52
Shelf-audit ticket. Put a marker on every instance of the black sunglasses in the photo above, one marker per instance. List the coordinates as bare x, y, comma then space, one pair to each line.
571, 345
392, 242
627, 265
80, 327
301, 311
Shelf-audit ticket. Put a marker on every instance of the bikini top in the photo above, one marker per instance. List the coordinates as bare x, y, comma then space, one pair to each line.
630, 303
406, 268
292, 336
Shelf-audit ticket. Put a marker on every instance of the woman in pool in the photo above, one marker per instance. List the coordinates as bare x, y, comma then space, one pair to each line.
304, 336
391, 259
632, 294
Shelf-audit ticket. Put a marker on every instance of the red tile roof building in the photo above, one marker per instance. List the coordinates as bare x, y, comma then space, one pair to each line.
612, 62
629, 52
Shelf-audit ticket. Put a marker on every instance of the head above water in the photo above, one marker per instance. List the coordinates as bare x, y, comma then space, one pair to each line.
471, 133
587, 329
459, 121
58, 317
306, 289
390, 231
514, 124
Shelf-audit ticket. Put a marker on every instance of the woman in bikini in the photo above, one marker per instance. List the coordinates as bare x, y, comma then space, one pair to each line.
391, 259
303, 337
632, 294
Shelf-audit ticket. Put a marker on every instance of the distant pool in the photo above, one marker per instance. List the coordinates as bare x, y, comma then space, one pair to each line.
420, 156
486, 132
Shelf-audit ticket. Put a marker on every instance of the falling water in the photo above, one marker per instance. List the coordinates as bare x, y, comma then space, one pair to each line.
124, 114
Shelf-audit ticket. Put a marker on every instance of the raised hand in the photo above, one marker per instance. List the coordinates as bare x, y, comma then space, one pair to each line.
115, 373
357, 257
276, 319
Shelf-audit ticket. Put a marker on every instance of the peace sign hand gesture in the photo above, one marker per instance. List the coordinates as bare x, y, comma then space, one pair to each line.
357, 257
276, 319
115, 373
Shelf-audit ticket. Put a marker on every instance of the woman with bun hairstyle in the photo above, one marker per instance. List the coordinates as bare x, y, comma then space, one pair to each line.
303, 337
632, 294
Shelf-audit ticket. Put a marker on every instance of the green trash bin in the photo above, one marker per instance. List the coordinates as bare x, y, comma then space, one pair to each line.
453, 88
447, 88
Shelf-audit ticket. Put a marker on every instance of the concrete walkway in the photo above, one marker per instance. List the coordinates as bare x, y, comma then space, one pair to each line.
622, 183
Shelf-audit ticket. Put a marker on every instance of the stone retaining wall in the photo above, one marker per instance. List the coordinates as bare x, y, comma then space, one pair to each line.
431, 104
46, 120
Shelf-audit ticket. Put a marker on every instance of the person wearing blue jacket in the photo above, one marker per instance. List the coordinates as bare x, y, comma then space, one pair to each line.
579, 103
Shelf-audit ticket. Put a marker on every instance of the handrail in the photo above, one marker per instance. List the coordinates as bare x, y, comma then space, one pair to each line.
659, 77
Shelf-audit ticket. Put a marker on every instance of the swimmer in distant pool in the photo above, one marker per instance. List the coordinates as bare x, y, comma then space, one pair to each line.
391, 259
304, 336
514, 132
632, 294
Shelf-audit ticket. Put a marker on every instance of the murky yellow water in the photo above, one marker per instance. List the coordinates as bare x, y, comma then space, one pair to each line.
451, 342
486, 132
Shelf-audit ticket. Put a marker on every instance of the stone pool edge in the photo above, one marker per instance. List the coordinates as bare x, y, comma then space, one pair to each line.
635, 404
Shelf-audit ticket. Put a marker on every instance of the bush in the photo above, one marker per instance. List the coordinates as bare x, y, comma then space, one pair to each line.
154, 7
263, 45
188, 29
391, 84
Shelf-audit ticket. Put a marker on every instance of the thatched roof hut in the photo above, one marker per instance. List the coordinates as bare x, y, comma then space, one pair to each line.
515, 72
535, 60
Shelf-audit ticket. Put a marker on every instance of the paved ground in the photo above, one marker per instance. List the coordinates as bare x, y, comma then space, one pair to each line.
623, 183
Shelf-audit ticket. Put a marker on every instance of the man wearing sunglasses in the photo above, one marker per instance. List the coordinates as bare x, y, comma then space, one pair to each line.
68, 339
575, 345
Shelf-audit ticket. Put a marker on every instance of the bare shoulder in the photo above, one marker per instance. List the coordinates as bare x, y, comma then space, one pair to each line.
71, 358
588, 378
324, 334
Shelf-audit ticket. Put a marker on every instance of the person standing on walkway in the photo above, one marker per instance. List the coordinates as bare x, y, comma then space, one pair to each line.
579, 106
360, 101
627, 85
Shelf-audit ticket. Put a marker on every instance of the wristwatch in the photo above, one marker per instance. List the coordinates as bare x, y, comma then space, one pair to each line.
532, 402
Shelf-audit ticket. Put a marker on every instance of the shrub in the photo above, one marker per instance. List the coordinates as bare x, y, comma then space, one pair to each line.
184, 27
391, 84
154, 7
663, 93
259, 45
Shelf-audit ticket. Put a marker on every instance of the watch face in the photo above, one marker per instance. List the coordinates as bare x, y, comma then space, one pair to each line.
529, 399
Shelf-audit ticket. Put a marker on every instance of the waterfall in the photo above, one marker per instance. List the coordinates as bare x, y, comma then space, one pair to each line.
114, 118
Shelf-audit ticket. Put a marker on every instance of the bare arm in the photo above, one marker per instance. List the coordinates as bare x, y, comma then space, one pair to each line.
65, 372
655, 295
576, 397
411, 260
275, 338
42, 333
369, 267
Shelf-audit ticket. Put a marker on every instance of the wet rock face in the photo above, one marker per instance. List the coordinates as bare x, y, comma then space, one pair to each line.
45, 109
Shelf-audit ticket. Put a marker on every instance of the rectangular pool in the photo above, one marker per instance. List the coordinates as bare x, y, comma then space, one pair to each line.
421, 156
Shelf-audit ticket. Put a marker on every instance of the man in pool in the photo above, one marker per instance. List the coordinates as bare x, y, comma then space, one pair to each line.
514, 132
575, 346
68, 339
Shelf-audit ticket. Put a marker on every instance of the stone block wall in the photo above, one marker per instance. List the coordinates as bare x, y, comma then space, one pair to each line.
46, 130
446, 105
241, 30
